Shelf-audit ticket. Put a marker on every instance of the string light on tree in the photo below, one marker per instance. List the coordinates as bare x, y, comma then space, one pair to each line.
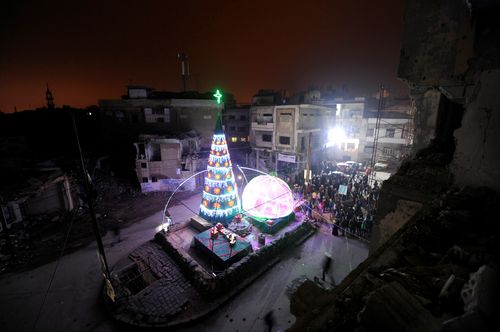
220, 201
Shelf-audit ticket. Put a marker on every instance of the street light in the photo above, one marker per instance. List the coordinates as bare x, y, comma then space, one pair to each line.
167, 221
336, 135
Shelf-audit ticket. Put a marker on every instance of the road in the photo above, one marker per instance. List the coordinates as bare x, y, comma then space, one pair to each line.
74, 284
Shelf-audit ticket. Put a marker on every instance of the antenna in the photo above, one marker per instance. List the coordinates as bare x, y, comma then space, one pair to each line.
183, 58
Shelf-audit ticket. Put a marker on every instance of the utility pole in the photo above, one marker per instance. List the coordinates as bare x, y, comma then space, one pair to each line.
376, 131
88, 192
307, 176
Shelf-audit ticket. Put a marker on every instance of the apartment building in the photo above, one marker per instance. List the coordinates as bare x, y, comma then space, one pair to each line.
280, 135
395, 132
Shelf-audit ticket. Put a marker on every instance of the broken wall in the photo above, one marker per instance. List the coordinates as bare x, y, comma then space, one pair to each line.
450, 60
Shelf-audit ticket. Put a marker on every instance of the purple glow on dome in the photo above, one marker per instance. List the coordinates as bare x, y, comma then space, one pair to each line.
267, 197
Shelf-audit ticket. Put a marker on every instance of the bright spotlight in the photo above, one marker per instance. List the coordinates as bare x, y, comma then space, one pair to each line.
336, 135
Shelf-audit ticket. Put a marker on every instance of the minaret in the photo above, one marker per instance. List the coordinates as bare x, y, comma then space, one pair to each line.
49, 98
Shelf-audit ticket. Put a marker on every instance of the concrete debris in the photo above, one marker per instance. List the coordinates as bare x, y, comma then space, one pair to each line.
393, 308
480, 293
468, 322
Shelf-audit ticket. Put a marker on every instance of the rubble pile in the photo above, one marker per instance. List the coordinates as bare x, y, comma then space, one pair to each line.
40, 239
437, 273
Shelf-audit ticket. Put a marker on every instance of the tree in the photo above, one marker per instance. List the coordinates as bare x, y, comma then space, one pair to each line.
220, 201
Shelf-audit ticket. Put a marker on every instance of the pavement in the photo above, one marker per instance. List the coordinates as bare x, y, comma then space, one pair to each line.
64, 295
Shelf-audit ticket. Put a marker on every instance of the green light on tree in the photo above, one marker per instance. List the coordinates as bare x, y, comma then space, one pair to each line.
218, 95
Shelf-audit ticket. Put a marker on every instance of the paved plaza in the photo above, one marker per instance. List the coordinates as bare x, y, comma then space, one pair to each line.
73, 303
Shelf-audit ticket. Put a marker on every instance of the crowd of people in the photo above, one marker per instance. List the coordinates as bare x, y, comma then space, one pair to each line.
344, 197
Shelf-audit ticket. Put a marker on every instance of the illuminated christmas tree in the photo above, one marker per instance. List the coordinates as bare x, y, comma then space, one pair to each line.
220, 201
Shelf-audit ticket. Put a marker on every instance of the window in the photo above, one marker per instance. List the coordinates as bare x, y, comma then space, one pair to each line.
388, 151
405, 132
154, 179
144, 180
142, 151
389, 132
166, 113
285, 140
267, 138
369, 132
350, 146
285, 117
161, 120
144, 165
9, 215
234, 139
368, 149
158, 111
243, 117
24, 208
241, 129
232, 128
154, 152
232, 117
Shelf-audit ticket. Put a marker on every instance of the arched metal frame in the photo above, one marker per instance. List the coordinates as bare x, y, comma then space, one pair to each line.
189, 178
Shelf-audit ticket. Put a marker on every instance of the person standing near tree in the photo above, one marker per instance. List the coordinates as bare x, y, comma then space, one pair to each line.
116, 234
335, 229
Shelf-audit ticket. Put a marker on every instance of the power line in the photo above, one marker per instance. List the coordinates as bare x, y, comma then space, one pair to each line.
53, 274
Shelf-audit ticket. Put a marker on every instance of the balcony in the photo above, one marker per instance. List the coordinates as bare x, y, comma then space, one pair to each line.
265, 126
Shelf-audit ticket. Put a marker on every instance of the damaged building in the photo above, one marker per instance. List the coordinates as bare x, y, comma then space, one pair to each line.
163, 163
434, 253
44, 193
145, 110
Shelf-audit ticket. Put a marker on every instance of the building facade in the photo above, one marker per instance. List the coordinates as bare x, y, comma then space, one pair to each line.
280, 136
46, 193
236, 121
162, 163
349, 128
145, 111
356, 124
395, 133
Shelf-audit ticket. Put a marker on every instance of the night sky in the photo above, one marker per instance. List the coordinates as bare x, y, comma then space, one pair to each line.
89, 50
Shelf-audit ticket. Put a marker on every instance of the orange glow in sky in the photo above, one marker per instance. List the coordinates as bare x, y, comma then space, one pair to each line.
90, 50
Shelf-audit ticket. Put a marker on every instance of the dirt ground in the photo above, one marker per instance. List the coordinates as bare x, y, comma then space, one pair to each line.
45, 238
